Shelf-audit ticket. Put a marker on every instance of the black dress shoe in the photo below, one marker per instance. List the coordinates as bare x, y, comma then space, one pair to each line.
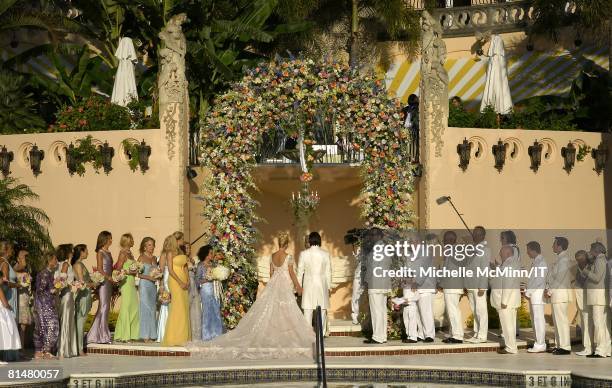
428, 339
455, 341
409, 341
595, 356
447, 340
561, 352
419, 339
551, 350
371, 341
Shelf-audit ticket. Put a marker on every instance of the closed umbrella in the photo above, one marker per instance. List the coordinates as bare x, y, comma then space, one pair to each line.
497, 90
124, 89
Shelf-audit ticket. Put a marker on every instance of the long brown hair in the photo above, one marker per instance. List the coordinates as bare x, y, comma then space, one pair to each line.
103, 238
144, 242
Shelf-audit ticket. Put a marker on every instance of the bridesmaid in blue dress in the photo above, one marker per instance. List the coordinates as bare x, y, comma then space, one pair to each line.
211, 311
99, 332
9, 286
148, 291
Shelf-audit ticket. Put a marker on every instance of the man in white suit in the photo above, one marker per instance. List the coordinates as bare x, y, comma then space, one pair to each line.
378, 288
314, 275
477, 287
580, 291
453, 289
426, 286
535, 294
506, 298
558, 289
595, 279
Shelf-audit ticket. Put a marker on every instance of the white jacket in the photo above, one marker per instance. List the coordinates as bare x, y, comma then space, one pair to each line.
315, 277
537, 282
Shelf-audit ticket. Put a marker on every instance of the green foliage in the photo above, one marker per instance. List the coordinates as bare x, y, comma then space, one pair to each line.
84, 152
139, 119
583, 151
131, 149
21, 222
524, 318
95, 113
17, 106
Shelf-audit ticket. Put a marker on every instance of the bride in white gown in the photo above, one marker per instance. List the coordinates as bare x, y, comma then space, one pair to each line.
274, 327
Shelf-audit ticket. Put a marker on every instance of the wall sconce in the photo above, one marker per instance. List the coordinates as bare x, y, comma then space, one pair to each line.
144, 151
6, 157
107, 156
464, 150
600, 154
417, 170
569, 156
36, 157
499, 152
70, 161
535, 154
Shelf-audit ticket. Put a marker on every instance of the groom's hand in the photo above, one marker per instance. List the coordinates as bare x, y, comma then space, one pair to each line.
300, 290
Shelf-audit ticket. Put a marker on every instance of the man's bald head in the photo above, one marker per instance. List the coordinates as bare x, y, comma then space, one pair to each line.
506, 252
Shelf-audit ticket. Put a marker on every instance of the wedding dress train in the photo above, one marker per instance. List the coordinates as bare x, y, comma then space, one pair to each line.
273, 328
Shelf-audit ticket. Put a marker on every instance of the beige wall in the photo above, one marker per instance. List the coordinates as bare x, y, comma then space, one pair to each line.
122, 201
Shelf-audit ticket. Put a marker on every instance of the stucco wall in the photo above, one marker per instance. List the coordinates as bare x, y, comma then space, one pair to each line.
122, 201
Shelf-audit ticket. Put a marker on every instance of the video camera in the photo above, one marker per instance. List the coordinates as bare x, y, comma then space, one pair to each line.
353, 236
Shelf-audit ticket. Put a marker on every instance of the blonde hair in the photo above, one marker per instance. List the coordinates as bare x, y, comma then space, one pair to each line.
178, 235
144, 242
126, 240
283, 239
170, 245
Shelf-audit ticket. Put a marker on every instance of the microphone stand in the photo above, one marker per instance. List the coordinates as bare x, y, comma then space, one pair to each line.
460, 215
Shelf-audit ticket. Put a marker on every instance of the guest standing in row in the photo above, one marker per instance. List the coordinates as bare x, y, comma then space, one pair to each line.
148, 291
535, 294
9, 334
99, 332
211, 311
67, 346
128, 325
83, 296
9, 286
178, 330
558, 290
195, 305
168, 249
45, 318
24, 294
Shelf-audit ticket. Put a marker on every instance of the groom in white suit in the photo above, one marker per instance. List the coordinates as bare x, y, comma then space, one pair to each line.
314, 275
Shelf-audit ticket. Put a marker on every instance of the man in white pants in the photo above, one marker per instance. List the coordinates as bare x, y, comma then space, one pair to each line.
506, 298
595, 280
453, 289
535, 294
426, 287
377, 288
558, 290
357, 286
580, 291
477, 286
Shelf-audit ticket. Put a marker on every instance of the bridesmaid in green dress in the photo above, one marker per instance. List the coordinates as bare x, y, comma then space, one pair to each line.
128, 323
83, 296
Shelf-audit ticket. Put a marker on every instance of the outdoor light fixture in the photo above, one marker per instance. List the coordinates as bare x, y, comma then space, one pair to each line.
569, 156
144, 151
107, 156
191, 173
70, 161
417, 170
6, 157
600, 154
36, 157
535, 154
464, 150
499, 152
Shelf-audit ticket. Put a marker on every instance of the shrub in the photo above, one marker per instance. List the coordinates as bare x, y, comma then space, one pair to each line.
92, 114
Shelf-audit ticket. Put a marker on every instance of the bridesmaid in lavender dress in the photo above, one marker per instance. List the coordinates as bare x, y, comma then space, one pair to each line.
46, 321
99, 332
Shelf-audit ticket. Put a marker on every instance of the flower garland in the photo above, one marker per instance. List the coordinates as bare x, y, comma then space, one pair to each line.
291, 94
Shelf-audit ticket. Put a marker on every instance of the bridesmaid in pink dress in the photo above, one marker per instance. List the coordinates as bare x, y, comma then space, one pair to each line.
99, 332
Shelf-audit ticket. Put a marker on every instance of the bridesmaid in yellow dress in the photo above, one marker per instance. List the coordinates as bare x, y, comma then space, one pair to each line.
178, 329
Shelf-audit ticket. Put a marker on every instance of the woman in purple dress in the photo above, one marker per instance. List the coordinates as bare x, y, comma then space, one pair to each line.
99, 332
46, 320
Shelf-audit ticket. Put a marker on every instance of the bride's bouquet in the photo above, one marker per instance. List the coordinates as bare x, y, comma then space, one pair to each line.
220, 273
78, 285
97, 278
136, 267
155, 273
60, 282
118, 275
165, 297
25, 280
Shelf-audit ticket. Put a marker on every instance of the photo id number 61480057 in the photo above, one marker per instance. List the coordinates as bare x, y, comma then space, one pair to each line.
13, 374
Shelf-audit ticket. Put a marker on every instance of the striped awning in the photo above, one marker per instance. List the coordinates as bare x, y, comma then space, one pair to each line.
530, 74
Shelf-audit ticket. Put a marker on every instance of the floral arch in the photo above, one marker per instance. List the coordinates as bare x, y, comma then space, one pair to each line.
291, 94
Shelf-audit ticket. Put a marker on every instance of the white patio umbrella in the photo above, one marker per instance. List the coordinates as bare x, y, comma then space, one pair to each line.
497, 90
124, 89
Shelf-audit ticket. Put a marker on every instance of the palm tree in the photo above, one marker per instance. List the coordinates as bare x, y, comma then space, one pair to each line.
22, 223
18, 109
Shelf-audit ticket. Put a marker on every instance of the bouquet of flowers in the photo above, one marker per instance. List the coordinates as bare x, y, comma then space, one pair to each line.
220, 273
78, 285
164, 297
118, 275
97, 278
60, 282
155, 273
25, 280
136, 267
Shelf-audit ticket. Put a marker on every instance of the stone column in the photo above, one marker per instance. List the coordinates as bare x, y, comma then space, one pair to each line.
174, 111
433, 108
